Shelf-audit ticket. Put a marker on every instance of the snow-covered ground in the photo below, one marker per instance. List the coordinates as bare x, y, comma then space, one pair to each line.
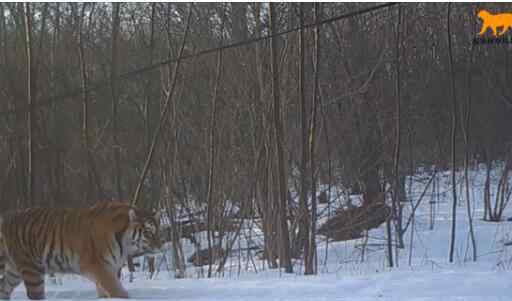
348, 273
447, 283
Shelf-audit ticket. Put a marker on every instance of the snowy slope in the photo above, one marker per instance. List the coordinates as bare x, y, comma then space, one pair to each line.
345, 274
438, 284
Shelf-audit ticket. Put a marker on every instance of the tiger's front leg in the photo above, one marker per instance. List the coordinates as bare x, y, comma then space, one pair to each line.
494, 30
33, 278
100, 291
108, 284
483, 30
9, 282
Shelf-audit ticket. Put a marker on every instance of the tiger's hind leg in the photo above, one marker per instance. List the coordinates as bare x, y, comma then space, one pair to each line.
33, 278
505, 29
11, 279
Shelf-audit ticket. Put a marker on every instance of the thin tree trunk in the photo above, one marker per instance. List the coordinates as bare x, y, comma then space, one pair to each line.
56, 162
330, 173
501, 194
396, 166
264, 157
487, 191
171, 168
116, 148
284, 257
453, 136
310, 264
42, 16
467, 123
85, 100
36, 62
30, 111
212, 152
147, 104
91, 174
304, 212
389, 243
179, 257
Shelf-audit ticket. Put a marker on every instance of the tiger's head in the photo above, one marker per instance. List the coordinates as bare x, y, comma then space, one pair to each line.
144, 232
483, 14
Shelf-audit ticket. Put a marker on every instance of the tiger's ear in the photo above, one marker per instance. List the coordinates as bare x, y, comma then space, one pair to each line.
132, 215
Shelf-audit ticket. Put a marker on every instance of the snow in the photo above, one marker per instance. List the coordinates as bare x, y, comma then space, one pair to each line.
438, 284
344, 273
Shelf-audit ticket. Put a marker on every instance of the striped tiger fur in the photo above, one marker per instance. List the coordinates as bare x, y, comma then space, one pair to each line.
93, 242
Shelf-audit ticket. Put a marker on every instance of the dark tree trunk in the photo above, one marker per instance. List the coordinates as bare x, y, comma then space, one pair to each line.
284, 256
30, 112
116, 147
302, 236
453, 137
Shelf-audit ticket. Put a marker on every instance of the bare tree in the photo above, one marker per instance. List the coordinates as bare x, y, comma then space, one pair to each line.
311, 258
263, 153
284, 256
397, 207
304, 229
453, 135
212, 152
91, 173
55, 173
148, 103
30, 101
466, 131
116, 147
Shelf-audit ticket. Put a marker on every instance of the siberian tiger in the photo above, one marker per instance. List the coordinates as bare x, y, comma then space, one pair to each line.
494, 22
93, 242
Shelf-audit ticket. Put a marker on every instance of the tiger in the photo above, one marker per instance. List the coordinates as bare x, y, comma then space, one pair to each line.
495, 21
92, 242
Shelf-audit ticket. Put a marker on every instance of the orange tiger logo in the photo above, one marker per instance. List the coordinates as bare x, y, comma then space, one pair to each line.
494, 22
93, 242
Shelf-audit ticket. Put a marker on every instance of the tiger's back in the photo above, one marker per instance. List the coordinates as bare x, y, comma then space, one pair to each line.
92, 242
41, 236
